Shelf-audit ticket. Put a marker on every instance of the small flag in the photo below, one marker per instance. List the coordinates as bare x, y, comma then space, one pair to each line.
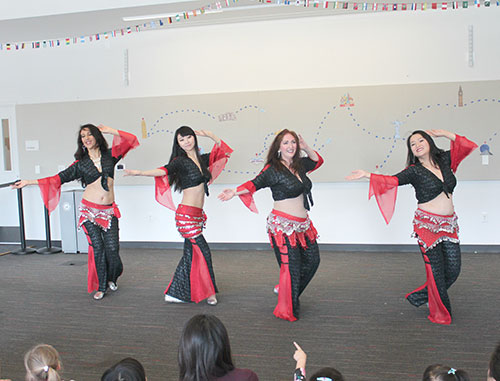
465, 4
355, 6
7, 46
477, 3
177, 17
486, 3
325, 4
394, 7
129, 30
374, 6
384, 7
454, 5
68, 41
403, 7
346, 5
97, 37
365, 6
316, 4
444, 6
170, 20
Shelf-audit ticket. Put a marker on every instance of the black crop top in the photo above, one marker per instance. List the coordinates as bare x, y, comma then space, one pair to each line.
85, 169
188, 172
284, 184
427, 185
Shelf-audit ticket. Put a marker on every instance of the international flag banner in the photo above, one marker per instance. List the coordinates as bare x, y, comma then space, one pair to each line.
384, 7
177, 17
227, 3
365, 6
454, 5
444, 6
394, 7
465, 4
82, 39
7, 46
75, 40
346, 5
374, 6
1, 46
17, 46
486, 3
306, 3
316, 4
58, 43
129, 30
97, 37
325, 4
22, 45
68, 41
355, 6
44, 44
137, 28
434, 6
170, 20
106, 35
337, 5
403, 7
477, 3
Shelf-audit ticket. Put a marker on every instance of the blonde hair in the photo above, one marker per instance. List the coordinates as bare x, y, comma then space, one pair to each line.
42, 363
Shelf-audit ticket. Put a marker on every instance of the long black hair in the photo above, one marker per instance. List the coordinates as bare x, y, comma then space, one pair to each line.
128, 369
173, 178
81, 151
274, 155
435, 152
204, 349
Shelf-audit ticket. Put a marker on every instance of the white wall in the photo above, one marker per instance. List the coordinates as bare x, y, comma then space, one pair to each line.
369, 49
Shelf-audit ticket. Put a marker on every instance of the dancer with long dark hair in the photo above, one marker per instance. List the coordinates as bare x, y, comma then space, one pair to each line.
190, 172
94, 167
291, 232
431, 171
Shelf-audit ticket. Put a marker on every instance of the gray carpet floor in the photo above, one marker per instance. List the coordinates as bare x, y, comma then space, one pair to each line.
353, 315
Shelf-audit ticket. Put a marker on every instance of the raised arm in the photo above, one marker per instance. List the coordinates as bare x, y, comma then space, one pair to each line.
300, 368
442, 134
308, 150
208, 134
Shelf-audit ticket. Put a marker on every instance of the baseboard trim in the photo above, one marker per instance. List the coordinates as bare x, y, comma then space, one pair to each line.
264, 246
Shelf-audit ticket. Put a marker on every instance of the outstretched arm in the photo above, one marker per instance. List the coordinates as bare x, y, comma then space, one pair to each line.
22, 183
228, 193
208, 134
358, 174
151, 173
108, 130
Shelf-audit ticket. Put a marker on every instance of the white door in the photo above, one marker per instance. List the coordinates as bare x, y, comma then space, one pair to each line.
9, 166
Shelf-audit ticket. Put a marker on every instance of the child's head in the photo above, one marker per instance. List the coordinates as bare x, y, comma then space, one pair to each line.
42, 363
327, 374
438, 372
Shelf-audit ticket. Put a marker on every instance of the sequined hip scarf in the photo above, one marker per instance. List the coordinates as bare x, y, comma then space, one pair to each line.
190, 221
98, 214
280, 224
431, 229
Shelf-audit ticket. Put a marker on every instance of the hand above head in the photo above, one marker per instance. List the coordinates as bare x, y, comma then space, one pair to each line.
106, 129
226, 194
358, 174
302, 142
437, 133
300, 356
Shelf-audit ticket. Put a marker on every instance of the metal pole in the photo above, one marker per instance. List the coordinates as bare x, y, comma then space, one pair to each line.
49, 249
22, 235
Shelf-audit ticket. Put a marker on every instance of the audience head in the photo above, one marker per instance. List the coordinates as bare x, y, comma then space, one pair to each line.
494, 368
438, 372
204, 349
327, 374
42, 363
128, 369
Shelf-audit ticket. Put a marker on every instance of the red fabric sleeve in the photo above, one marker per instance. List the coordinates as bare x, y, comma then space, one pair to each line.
123, 143
218, 159
50, 188
247, 198
319, 163
459, 150
163, 192
385, 189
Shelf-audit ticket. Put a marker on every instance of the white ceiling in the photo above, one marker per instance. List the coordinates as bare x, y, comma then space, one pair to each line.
35, 20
